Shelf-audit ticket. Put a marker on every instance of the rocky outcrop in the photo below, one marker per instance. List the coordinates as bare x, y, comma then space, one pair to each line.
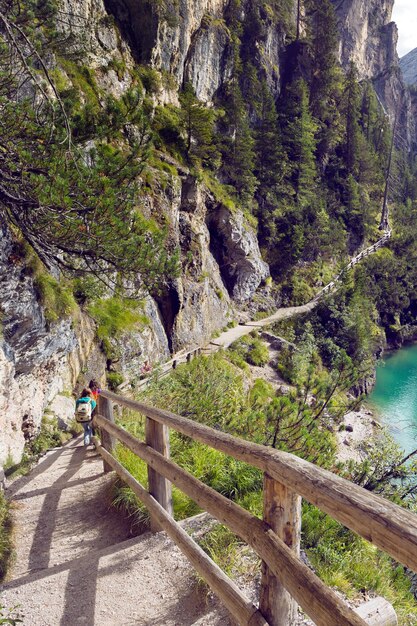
148, 342
186, 40
368, 37
190, 42
236, 248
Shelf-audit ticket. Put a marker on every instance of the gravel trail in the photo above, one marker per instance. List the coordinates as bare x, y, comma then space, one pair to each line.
76, 562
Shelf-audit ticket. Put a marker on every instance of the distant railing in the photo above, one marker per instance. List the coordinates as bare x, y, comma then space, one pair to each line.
185, 356
286, 580
381, 242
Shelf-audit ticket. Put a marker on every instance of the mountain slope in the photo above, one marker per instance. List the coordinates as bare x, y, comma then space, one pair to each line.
408, 64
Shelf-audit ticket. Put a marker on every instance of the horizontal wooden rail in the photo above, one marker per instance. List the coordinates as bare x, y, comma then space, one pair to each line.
388, 526
318, 601
235, 601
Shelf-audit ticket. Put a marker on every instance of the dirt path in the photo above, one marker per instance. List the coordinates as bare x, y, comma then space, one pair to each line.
76, 562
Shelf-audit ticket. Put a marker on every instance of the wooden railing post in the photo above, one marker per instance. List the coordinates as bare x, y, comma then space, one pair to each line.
105, 408
157, 437
282, 511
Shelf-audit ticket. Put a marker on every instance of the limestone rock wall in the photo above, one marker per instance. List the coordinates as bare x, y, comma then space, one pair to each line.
369, 38
38, 361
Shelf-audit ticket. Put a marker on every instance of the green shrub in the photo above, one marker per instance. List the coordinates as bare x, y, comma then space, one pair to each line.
88, 288
114, 379
116, 315
150, 78
238, 360
56, 298
50, 436
258, 354
167, 123
6, 546
252, 349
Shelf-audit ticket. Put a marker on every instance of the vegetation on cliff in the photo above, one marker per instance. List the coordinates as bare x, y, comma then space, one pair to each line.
76, 203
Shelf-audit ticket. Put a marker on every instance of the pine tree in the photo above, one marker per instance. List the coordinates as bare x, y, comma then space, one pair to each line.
325, 90
236, 140
298, 131
270, 161
270, 157
352, 103
198, 124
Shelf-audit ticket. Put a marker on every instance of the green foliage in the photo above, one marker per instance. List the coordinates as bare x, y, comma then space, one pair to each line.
326, 76
167, 124
149, 77
125, 499
49, 436
299, 140
87, 288
116, 315
114, 379
223, 547
77, 207
6, 545
56, 298
198, 126
349, 563
385, 470
208, 389
237, 143
252, 349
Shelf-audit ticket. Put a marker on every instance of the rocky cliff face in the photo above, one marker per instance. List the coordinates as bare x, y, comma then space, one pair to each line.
38, 362
369, 38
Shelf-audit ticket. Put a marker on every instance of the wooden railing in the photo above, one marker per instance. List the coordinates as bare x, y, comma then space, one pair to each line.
286, 580
357, 259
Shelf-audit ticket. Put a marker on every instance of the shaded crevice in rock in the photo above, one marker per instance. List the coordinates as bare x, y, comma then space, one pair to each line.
138, 22
169, 305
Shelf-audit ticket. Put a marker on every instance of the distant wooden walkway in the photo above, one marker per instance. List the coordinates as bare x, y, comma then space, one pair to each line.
226, 338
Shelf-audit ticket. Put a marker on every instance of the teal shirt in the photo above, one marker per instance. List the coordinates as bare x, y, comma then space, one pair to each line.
86, 399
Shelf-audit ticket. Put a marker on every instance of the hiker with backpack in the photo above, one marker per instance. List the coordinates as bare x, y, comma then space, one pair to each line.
94, 387
84, 408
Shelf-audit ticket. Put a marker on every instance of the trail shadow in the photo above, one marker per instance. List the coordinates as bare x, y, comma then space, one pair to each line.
43, 465
44, 490
42, 537
80, 594
79, 564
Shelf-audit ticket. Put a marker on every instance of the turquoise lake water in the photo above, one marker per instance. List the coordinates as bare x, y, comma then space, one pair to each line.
395, 395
